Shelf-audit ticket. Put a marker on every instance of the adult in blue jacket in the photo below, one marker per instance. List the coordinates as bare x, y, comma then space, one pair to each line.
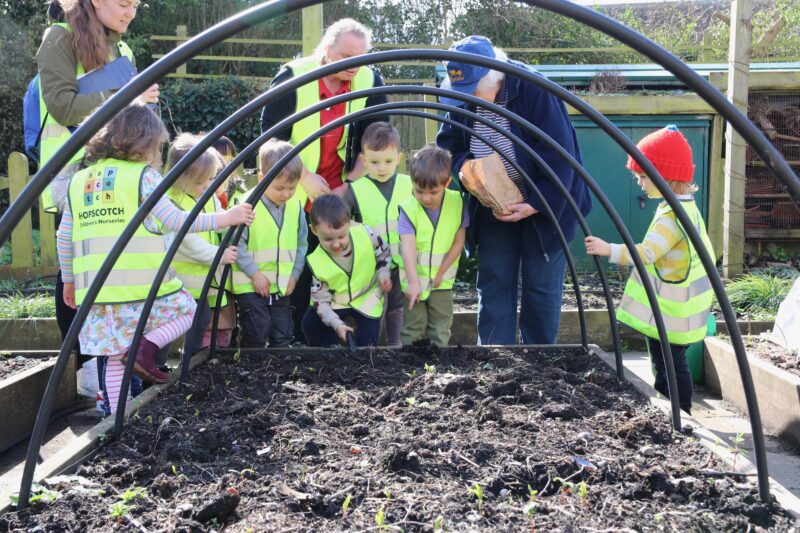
524, 242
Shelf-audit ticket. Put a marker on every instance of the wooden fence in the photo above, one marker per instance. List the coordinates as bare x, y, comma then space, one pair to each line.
705, 51
28, 260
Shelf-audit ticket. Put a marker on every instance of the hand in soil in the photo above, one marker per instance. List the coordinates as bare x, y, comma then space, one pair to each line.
343, 330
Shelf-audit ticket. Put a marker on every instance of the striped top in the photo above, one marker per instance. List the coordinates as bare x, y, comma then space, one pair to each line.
170, 217
665, 245
480, 149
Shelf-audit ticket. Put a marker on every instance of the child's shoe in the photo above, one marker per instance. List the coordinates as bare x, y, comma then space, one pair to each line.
145, 364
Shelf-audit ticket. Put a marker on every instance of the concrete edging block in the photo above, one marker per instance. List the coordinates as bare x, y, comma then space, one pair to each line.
778, 391
25, 390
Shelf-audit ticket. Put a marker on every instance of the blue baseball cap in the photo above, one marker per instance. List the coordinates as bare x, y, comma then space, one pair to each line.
464, 77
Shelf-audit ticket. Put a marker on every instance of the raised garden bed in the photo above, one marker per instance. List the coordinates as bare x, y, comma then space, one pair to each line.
778, 391
21, 392
12, 363
414, 439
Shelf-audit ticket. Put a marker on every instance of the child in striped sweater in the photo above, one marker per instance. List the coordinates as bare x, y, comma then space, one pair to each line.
673, 266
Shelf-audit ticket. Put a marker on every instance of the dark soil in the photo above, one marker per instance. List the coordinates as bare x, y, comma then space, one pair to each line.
769, 351
11, 364
334, 442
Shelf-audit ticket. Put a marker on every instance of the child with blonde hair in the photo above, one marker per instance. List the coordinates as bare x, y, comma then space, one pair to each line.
671, 261
197, 250
272, 254
122, 159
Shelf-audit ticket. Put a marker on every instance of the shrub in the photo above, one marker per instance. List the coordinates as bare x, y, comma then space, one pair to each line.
196, 106
16, 49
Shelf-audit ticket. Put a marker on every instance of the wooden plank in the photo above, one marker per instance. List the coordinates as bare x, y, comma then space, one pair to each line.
774, 80
22, 236
233, 41
10, 271
47, 238
735, 147
625, 104
235, 58
182, 33
312, 28
431, 126
716, 185
214, 76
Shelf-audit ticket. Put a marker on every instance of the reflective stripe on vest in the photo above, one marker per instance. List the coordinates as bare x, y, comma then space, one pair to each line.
54, 135
192, 273
381, 216
308, 95
359, 289
274, 248
433, 242
684, 305
103, 198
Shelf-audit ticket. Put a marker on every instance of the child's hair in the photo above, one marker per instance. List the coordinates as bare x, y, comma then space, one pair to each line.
331, 210
430, 167
134, 134
202, 169
271, 152
380, 136
88, 35
225, 147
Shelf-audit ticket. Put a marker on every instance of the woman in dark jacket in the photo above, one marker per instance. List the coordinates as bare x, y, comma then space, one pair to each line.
524, 242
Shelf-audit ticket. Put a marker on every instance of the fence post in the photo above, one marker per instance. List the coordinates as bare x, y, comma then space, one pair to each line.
312, 28
431, 126
22, 236
47, 238
708, 48
183, 35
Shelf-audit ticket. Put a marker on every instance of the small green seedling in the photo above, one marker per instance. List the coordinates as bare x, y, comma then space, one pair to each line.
411, 401
196, 412
438, 524
39, 493
737, 449
174, 470
430, 369
530, 507
346, 504
294, 372
188, 397
118, 511
149, 419
388, 494
237, 357
132, 494
477, 491
412, 374
380, 516
583, 491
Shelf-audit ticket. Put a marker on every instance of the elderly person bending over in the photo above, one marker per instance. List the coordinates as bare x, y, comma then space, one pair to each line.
524, 241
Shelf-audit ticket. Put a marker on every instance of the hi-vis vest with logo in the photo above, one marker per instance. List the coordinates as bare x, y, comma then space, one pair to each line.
103, 198
358, 289
308, 95
54, 135
434, 241
192, 273
684, 305
381, 216
274, 248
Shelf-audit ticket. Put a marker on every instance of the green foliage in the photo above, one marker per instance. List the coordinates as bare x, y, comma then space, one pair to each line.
197, 106
30, 306
119, 510
16, 48
759, 293
133, 493
39, 493
346, 504
737, 449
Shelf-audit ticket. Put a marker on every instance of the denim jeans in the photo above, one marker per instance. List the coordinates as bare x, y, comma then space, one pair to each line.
507, 250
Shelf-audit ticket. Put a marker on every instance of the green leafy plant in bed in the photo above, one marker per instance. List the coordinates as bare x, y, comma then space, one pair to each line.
27, 306
759, 293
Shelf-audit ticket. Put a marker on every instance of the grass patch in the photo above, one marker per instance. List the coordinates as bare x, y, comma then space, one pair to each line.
760, 293
32, 306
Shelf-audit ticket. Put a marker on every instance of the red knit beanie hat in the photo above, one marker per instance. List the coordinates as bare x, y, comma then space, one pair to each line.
670, 153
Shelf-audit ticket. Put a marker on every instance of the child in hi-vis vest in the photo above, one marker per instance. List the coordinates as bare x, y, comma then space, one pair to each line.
197, 250
683, 290
272, 254
432, 229
350, 270
122, 159
374, 200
